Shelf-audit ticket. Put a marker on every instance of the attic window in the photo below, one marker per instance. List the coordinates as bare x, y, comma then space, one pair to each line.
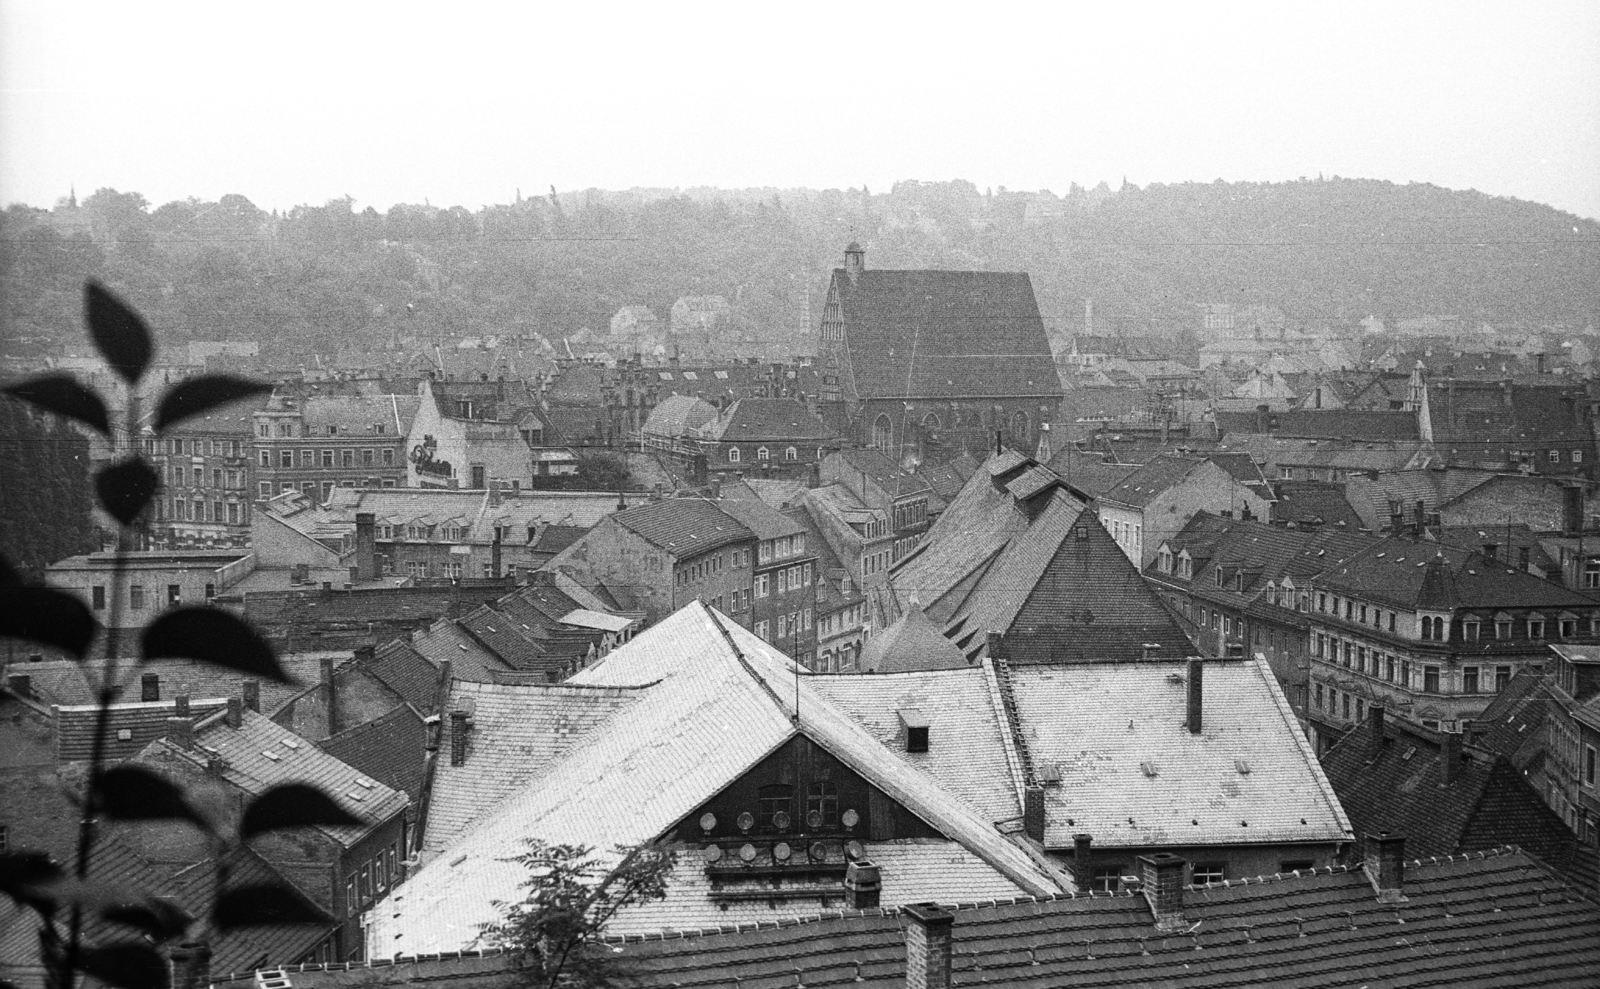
362, 781
1081, 532
1242, 766
272, 755
916, 729
291, 743
1149, 769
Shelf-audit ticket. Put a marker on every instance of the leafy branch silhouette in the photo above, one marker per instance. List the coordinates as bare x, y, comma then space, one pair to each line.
65, 898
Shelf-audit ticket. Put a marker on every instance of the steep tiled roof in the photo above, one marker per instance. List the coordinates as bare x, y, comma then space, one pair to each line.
679, 415
1118, 736
876, 466
966, 755
1352, 424
1314, 504
390, 748
717, 707
1489, 804
945, 334
760, 518
504, 637
407, 673
946, 479
751, 420
1483, 921
1512, 726
518, 733
683, 527
1371, 497
911, 643
1411, 574
469, 660
1154, 478
259, 755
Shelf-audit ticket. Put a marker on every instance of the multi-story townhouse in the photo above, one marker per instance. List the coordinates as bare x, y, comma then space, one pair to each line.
1572, 748
207, 480
907, 501
1431, 632
785, 580
312, 442
1154, 501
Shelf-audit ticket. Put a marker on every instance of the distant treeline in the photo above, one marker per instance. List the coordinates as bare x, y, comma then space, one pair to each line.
44, 471
320, 279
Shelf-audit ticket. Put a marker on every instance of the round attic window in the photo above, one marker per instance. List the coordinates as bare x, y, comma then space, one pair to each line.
851, 818
818, 851
711, 853
708, 821
747, 852
781, 851
854, 850
814, 819
780, 820
746, 821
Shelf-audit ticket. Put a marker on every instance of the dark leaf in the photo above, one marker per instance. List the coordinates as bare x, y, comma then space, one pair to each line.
129, 793
43, 614
197, 395
252, 905
118, 332
211, 636
30, 878
132, 966
125, 488
64, 396
9, 577
292, 805
159, 918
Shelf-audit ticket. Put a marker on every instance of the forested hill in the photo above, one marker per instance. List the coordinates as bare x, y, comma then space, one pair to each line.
328, 278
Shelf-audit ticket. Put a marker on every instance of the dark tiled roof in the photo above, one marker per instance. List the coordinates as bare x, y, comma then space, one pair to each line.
1413, 574
390, 749
760, 518
945, 334
767, 419
1485, 920
1154, 478
1512, 726
1352, 424
1089, 471
407, 673
946, 479
911, 643
505, 638
684, 527
1489, 804
877, 466
1314, 504
1371, 496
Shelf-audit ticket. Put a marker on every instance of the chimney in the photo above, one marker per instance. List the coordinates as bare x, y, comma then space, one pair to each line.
20, 684
1374, 732
181, 732
458, 738
365, 652
235, 716
366, 567
1397, 522
1033, 812
1162, 875
994, 643
1449, 757
1194, 720
1148, 650
251, 690
1384, 861
495, 557
863, 885
191, 965
1420, 521
928, 946
150, 687
180, 705
331, 696
1082, 867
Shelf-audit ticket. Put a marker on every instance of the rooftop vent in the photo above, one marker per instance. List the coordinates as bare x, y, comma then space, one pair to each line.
916, 726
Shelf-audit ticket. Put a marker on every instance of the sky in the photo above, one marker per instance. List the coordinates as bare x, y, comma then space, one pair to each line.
465, 103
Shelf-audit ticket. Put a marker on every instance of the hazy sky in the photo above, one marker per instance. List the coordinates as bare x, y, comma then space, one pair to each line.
463, 103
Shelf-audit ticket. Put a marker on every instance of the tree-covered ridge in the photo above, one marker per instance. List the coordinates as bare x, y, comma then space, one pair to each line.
325, 279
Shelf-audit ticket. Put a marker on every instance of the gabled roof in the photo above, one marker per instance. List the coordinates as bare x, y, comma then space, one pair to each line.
684, 527
679, 415
407, 673
1314, 504
944, 334
1400, 790
1512, 726
714, 700
446, 641
911, 643
760, 518
755, 420
1152, 480
1118, 736
1487, 920
1412, 574
1371, 497
391, 748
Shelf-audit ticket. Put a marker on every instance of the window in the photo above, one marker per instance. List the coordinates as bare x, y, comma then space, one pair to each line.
1316, 693
266, 458
1502, 678
822, 805
1555, 456
1569, 627
264, 489
1588, 765
1345, 703
764, 630
1536, 628
366, 883
285, 458
773, 800
350, 904
1430, 679
1577, 456
733, 454
1361, 709
1363, 614
307, 458
763, 585
1469, 679
216, 478
388, 457
347, 458
883, 434
97, 596
1388, 668
1391, 621
1295, 865
791, 454
1469, 631
262, 430
366, 457
233, 513
1502, 628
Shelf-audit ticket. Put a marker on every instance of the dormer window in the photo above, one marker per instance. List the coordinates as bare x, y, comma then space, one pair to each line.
1218, 576
1535, 626
1186, 566
1164, 560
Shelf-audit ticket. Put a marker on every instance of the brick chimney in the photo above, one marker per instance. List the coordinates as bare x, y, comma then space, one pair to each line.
928, 946
458, 738
251, 692
364, 653
191, 965
180, 731
235, 715
1033, 812
1082, 861
1194, 712
863, 885
1374, 732
495, 557
1148, 650
150, 687
1418, 526
1383, 858
1449, 757
1162, 879
330, 689
994, 644
180, 705
366, 567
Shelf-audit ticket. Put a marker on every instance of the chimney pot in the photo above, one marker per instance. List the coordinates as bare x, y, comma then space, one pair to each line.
1196, 692
928, 946
1384, 861
863, 885
150, 687
252, 695
1149, 650
1033, 812
1162, 877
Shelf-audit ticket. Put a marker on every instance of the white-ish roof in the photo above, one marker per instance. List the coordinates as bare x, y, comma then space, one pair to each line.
584, 618
1118, 734
721, 701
